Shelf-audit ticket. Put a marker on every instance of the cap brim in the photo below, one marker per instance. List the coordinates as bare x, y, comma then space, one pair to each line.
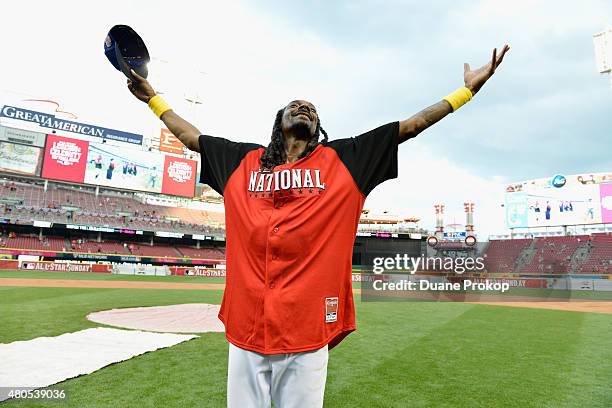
124, 67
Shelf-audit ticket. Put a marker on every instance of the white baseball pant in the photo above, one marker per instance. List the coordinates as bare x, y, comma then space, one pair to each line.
289, 380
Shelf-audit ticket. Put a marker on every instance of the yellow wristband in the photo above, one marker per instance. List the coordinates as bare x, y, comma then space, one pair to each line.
158, 106
459, 98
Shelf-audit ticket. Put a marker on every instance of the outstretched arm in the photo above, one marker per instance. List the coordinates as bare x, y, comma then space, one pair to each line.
474, 80
187, 133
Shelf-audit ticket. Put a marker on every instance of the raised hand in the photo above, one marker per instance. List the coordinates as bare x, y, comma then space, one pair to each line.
140, 87
474, 80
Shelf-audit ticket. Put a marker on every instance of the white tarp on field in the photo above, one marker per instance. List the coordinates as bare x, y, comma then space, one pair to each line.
186, 318
48, 360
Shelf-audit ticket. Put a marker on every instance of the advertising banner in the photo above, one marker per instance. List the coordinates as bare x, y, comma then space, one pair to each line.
55, 267
201, 272
512, 282
455, 236
169, 143
48, 121
49, 266
21, 159
65, 159
119, 167
179, 176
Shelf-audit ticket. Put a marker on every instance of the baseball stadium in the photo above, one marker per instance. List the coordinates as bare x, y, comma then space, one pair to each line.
73, 250
145, 263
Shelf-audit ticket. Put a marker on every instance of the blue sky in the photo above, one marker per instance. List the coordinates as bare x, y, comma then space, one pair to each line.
362, 63
547, 110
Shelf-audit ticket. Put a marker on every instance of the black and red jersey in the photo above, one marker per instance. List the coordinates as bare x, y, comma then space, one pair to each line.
290, 235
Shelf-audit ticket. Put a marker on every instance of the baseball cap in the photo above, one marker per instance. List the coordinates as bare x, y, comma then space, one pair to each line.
126, 50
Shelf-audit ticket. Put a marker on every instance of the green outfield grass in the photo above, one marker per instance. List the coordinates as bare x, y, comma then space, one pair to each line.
404, 354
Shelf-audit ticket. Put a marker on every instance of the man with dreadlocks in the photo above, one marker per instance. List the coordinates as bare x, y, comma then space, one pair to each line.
292, 210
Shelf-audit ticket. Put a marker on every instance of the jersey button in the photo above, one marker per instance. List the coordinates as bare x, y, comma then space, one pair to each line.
275, 230
271, 286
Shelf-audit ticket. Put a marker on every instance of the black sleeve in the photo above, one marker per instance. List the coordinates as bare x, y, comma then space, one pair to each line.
371, 158
220, 158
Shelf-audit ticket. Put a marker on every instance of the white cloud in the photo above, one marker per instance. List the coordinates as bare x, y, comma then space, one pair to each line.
426, 179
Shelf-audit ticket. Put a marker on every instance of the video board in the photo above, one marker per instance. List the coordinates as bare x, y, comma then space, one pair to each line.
560, 200
100, 164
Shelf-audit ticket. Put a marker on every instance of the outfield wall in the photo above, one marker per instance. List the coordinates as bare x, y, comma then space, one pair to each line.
572, 283
49, 266
512, 282
197, 271
138, 269
88, 256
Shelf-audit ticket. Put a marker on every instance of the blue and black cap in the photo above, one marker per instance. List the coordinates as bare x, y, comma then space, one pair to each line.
126, 50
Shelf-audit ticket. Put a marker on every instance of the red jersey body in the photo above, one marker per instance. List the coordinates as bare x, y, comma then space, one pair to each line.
290, 235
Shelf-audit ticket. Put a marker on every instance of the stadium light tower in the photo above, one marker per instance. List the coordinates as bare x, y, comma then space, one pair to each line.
603, 52
469, 217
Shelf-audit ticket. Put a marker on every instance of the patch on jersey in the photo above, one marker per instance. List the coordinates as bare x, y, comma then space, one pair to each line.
331, 309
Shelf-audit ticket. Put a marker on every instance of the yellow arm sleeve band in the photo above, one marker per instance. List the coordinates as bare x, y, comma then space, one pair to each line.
158, 106
459, 98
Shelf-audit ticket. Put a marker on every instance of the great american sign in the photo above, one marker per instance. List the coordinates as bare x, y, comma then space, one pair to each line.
49, 121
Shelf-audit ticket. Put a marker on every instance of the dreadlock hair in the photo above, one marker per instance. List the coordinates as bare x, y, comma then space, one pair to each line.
276, 154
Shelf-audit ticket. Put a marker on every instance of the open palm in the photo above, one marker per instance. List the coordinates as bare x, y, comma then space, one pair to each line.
474, 80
